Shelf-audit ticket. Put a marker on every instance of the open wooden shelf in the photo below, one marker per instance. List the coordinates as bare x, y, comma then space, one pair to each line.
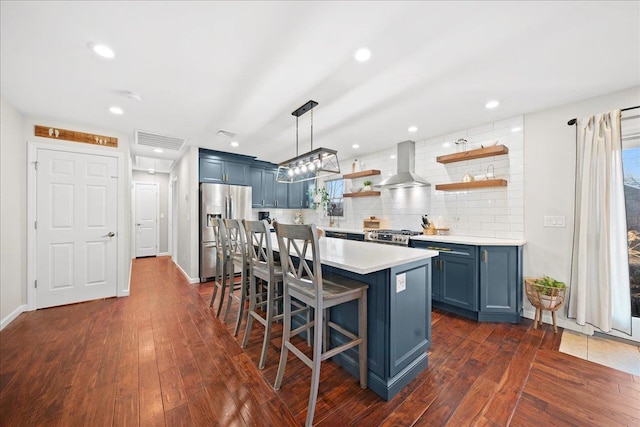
361, 174
479, 153
471, 185
362, 194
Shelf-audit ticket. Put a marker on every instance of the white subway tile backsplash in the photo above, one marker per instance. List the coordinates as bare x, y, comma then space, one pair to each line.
489, 212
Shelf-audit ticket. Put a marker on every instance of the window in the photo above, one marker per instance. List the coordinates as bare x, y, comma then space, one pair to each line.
631, 170
335, 188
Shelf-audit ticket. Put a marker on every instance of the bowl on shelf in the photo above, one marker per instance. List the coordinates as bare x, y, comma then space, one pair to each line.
356, 189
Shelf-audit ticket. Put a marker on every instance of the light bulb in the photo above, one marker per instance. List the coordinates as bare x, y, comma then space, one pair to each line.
296, 171
303, 168
290, 172
312, 166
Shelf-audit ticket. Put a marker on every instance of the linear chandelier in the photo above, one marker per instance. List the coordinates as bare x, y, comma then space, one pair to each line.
313, 164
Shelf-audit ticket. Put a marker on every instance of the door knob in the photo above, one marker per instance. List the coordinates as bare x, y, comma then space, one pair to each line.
109, 234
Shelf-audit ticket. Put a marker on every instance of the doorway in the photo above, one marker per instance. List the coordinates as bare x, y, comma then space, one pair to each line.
73, 201
145, 222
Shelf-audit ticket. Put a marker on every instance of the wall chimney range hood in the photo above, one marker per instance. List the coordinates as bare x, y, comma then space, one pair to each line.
406, 176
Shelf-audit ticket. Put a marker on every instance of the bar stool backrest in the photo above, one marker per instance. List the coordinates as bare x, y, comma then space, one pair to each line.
236, 241
300, 256
259, 245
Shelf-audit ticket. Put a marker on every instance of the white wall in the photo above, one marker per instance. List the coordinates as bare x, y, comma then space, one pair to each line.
549, 181
16, 132
186, 170
162, 179
490, 212
13, 215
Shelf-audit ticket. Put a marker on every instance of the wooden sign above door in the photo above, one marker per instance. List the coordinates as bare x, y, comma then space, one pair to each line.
70, 135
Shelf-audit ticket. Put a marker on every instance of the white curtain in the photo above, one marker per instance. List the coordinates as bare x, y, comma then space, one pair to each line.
600, 293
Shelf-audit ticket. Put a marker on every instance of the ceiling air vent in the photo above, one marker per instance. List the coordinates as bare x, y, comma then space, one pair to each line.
159, 141
226, 133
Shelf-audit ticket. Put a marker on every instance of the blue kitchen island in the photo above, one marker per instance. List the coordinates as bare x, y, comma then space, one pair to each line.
398, 309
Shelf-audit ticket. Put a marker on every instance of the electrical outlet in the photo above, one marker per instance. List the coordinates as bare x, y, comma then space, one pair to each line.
401, 282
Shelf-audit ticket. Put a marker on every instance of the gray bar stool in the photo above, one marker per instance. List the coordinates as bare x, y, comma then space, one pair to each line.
223, 263
237, 245
304, 281
263, 300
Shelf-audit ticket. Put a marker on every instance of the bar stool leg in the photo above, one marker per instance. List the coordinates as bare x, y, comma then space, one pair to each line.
315, 368
252, 308
286, 336
215, 281
243, 298
267, 330
223, 285
555, 327
232, 279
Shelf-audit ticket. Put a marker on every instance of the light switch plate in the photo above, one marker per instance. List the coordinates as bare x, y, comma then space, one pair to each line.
401, 282
554, 221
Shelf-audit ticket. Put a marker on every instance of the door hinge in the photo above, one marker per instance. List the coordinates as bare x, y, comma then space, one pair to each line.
35, 224
35, 165
35, 282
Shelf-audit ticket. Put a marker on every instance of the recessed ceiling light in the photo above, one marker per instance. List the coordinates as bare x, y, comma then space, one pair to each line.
151, 171
116, 110
516, 129
393, 156
234, 143
492, 104
158, 150
413, 129
355, 146
102, 49
362, 54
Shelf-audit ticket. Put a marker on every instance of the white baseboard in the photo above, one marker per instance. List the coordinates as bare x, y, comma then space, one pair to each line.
164, 254
184, 273
11, 317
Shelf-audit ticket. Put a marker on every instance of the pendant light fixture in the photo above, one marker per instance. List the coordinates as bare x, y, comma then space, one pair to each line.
313, 164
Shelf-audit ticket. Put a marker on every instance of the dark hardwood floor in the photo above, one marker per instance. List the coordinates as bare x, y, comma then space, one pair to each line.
159, 357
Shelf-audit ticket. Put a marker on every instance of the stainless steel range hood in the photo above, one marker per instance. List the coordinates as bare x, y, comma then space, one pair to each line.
406, 176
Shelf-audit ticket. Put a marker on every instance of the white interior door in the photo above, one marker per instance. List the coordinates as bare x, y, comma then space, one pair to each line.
76, 240
146, 218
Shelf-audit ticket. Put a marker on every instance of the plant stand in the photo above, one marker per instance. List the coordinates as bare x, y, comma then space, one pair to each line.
544, 298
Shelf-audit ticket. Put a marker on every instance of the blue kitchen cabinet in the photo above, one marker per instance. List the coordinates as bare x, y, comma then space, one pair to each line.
483, 283
222, 171
298, 195
266, 192
500, 283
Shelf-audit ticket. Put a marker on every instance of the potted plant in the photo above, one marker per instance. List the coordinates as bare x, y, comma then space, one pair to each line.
367, 185
320, 199
550, 292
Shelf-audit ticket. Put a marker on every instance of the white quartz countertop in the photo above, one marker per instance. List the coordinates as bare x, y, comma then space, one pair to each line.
471, 240
362, 257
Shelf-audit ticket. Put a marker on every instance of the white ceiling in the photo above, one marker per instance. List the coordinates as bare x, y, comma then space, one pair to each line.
245, 66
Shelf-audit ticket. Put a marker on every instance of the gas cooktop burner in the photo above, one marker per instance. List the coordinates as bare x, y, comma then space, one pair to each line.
394, 237
402, 232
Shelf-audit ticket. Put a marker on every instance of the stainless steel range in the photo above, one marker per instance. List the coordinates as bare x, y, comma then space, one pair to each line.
390, 237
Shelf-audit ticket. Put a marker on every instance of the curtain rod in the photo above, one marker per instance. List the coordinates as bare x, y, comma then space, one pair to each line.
574, 121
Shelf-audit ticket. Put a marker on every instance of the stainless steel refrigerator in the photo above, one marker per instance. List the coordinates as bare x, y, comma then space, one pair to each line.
218, 201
